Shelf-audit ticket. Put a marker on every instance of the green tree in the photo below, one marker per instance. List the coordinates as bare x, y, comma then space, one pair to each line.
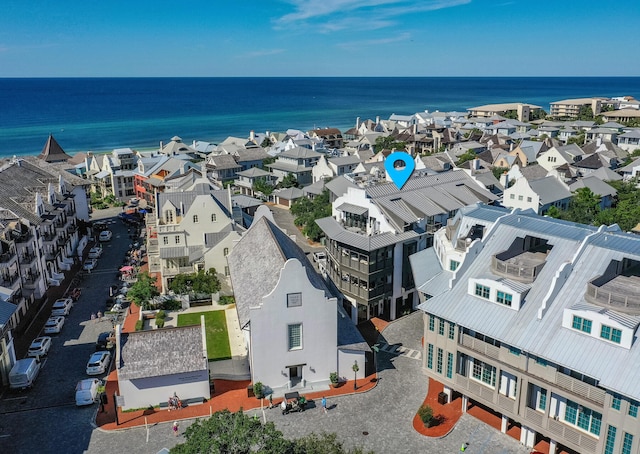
143, 290
585, 113
498, 171
554, 212
200, 282
388, 143
537, 114
262, 186
306, 211
289, 181
578, 140
237, 433
266, 143
267, 161
510, 114
324, 443
584, 207
467, 156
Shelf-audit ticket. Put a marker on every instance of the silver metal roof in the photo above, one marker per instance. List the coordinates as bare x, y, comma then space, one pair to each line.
335, 231
350, 208
590, 253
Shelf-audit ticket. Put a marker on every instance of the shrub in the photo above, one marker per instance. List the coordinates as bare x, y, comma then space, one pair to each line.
139, 325
333, 378
425, 412
224, 300
161, 315
258, 390
159, 322
171, 305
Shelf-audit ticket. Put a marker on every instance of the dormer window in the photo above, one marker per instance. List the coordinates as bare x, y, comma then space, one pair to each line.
581, 324
610, 334
482, 291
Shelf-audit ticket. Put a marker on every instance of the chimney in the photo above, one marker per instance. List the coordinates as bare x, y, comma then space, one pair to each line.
161, 145
378, 120
598, 141
357, 122
476, 164
252, 136
415, 128
194, 143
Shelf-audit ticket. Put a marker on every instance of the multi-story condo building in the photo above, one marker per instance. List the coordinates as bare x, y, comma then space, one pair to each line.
113, 173
374, 229
39, 240
570, 108
192, 230
536, 319
522, 110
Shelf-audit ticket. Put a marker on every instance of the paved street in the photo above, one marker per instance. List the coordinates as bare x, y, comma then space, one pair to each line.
48, 411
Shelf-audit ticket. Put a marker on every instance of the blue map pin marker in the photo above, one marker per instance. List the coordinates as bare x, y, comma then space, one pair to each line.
399, 175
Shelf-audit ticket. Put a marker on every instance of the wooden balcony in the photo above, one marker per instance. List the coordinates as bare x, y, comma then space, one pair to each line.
480, 346
522, 268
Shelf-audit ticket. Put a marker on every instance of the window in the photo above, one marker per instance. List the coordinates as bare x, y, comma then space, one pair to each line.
294, 299
453, 265
541, 362
213, 217
482, 291
449, 365
515, 351
452, 330
633, 409
195, 218
611, 440
432, 322
226, 270
165, 240
529, 199
611, 334
225, 251
168, 217
615, 402
542, 399
512, 196
177, 239
295, 336
430, 356
504, 298
441, 327
627, 443
581, 324
484, 372
439, 361
520, 198
583, 417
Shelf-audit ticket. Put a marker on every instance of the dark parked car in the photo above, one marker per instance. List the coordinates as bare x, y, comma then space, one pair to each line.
105, 341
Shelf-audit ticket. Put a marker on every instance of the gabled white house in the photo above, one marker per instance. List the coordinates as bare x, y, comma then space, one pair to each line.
537, 195
295, 330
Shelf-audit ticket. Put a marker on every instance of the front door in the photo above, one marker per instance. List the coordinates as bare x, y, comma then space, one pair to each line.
295, 375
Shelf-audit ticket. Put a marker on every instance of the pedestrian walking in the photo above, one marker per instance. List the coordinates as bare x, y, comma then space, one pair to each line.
99, 316
271, 400
175, 428
93, 317
324, 404
463, 448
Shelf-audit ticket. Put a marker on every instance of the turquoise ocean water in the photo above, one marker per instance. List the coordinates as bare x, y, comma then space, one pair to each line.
101, 114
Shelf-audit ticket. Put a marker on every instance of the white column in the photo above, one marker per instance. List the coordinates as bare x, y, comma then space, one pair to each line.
505, 424
465, 403
448, 392
523, 435
552, 446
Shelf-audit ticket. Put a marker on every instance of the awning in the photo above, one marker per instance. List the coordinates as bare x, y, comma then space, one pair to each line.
355, 209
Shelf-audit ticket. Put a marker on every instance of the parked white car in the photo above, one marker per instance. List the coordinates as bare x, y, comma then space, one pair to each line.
62, 307
98, 363
90, 264
105, 235
95, 252
39, 347
54, 325
87, 391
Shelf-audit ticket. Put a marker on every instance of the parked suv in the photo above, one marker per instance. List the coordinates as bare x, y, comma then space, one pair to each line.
61, 307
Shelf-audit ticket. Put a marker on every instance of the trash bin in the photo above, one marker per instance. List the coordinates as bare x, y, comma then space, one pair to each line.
250, 391
442, 398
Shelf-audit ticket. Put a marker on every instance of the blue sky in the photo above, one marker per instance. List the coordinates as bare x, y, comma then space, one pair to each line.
118, 38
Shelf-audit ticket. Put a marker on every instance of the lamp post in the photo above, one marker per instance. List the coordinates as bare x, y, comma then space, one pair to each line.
355, 370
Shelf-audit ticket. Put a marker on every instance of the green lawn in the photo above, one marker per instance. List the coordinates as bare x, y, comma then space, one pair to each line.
215, 324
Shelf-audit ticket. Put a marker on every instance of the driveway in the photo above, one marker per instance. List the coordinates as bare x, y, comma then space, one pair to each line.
284, 219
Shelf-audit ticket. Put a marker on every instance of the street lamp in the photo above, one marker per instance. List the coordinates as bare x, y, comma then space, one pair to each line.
355, 370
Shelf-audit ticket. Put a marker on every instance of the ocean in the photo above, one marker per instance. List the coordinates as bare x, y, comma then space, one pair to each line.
100, 114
